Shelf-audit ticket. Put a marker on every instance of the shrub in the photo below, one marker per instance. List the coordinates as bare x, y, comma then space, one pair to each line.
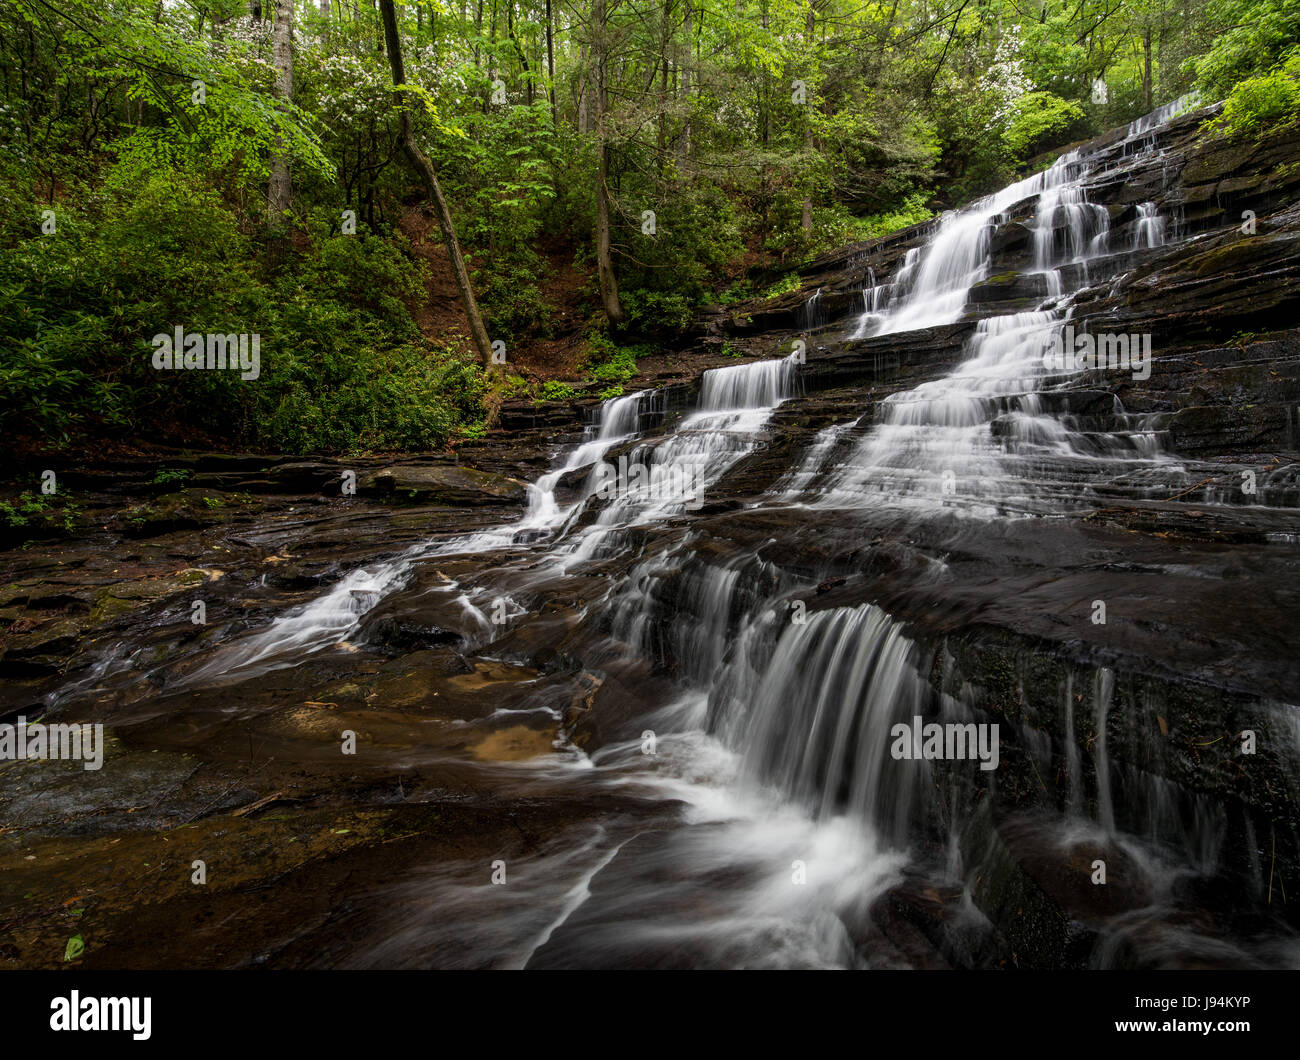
1258, 103
609, 363
343, 365
554, 390
1039, 121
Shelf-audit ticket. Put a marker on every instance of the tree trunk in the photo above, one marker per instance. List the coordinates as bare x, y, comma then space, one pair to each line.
684, 144
584, 114
550, 69
806, 221
1146, 67
604, 261
280, 191
424, 170
665, 43
519, 50
765, 97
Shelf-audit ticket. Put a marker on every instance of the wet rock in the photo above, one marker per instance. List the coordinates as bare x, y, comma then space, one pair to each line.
449, 484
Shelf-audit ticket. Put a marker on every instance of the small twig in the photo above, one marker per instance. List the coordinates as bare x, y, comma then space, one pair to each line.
1203, 482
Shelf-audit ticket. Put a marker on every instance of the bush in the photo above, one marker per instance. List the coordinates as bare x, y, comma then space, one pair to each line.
913, 211
607, 363
38, 512
1039, 121
1251, 37
1258, 103
557, 391
343, 365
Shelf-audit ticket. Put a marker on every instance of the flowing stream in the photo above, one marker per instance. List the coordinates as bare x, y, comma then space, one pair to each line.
793, 816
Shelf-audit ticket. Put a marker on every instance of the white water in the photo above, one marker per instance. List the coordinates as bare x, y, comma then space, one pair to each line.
778, 747
332, 617
988, 438
1150, 228
934, 290
735, 404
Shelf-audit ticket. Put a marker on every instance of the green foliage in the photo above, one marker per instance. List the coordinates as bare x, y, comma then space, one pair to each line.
39, 511
697, 232
1039, 121
150, 131
515, 386
499, 172
374, 397
343, 366
1258, 103
75, 947
789, 282
554, 390
608, 363
913, 211
1248, 39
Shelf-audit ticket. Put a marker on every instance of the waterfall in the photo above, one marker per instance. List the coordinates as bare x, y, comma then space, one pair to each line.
1102, 693
810, 315
957, 255
333, 616
1149, 231
866, 679
1073, 767
778, 748
875, 297
762, 384
995, 436
618, 419
678, 469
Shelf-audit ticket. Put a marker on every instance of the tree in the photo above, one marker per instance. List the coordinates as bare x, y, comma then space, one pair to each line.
604, 261
423, 168
280, 190
810, 29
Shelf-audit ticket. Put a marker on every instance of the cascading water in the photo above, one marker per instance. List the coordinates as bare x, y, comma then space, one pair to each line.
934, 289
997, 434
332, 617
811, 316
867, 680
734, 405
875, 297
779, 744
1149, 231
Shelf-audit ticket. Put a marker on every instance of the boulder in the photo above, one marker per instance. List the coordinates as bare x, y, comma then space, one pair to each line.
450, 484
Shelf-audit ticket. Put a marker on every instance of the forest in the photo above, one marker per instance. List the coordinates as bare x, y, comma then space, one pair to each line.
423, 209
